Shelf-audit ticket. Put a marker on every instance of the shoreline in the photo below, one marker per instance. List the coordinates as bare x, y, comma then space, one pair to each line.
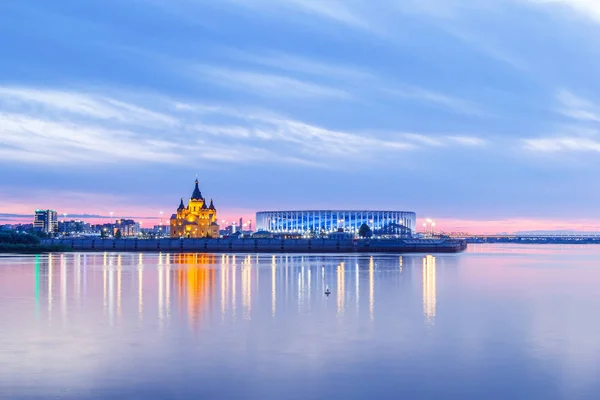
33, 248
264, 245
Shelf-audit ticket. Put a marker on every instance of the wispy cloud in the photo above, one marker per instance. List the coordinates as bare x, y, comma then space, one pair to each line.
294, 63
341, 11
577, 108
266, 84
451, 103
557, 144
337, 10
304, 138
88, 105
581, 136
467, 140
31, 139
587, 8
357, 82
71, 131
423, 139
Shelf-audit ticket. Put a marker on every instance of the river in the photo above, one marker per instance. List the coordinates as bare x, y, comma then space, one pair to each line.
494, 322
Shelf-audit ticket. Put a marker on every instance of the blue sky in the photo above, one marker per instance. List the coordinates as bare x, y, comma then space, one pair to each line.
468, 111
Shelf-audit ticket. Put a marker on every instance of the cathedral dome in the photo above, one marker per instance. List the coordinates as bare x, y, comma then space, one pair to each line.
197, 195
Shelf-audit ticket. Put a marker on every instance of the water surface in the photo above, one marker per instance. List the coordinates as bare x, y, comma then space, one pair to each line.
496, 322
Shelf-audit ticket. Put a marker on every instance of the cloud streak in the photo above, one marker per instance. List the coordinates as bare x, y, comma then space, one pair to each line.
83, 104
577, 108
53, 127
294, 63
587, 8
266, 84
557, 144
440, 100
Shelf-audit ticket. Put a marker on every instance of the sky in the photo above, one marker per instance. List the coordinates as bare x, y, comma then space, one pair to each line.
483, 115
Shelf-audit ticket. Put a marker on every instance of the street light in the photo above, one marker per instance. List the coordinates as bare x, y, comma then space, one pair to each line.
429, 222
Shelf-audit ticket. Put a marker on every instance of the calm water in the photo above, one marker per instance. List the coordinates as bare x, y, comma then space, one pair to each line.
497, 322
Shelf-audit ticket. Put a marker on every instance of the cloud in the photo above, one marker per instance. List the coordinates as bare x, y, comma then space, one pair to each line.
467, 140
336, 10
587, 8
577, 108
83, 104
579, 137
303, 65
357, 82
307, 139
68, 133
557, 144
341, 11
42, 140
266, 84
423, 139
72, 132
454, 104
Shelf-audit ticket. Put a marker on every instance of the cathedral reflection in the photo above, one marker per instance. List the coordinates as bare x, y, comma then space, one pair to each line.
195, 282
429, 287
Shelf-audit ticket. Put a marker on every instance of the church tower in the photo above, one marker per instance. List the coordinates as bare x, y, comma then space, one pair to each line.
196, 220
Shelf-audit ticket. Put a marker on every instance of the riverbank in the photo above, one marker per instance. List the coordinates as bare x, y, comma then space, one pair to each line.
19, 248
265, 245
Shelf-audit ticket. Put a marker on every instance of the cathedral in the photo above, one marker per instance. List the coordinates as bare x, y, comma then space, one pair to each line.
197, 220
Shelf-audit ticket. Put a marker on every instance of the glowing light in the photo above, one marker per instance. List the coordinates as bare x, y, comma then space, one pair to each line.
37, 285
340, 287
371, 289
429, 287
140, 287
273, 286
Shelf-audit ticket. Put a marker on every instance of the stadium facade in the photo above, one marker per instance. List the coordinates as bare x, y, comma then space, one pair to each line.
304, 222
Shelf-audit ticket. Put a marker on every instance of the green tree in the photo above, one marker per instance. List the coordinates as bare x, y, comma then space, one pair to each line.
13, 237
40, 234
118, 234
103, 233
364, 231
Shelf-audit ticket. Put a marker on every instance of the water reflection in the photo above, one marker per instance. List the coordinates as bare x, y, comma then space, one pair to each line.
248, 326
197, 283
273, 286
140, 277
429, 287
371, 288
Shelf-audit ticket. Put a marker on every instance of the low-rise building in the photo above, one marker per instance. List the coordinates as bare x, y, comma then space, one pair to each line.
127, 227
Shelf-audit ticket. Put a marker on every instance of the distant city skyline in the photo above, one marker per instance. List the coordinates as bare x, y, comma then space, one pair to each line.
481, 115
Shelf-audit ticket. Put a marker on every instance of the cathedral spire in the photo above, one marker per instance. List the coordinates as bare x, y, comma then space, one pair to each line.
181, 206
212, 206
196, 195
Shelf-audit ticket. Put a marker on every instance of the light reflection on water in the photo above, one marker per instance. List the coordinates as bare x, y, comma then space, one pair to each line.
495, 322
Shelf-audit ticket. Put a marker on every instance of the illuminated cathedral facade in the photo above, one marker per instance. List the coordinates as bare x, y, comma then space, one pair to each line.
196, 220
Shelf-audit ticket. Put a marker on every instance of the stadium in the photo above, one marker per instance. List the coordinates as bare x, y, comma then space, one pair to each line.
318, 221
